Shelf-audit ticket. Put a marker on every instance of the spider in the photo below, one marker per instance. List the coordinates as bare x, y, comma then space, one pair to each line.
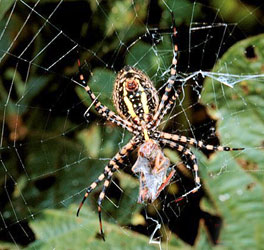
140, 112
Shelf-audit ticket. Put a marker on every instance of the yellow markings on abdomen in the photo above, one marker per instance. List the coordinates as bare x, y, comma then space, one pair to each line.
144, 100
130, 107
144, 103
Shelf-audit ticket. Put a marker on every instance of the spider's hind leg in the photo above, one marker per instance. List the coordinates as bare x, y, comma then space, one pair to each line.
109, 170
102, 196
100, 178
190, 156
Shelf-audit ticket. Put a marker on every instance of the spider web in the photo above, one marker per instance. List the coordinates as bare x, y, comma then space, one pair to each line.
50, 153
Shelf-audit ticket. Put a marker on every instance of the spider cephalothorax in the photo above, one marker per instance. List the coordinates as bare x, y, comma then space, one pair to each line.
140, 112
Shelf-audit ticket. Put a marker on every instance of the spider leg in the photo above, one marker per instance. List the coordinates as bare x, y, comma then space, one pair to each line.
108, 173
104, 110
124, 152
100, 178
101, 198
189, 155
168, 106
194, 142
166, 181
164, 106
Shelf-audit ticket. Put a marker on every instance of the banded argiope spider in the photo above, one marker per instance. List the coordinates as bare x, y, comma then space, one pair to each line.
140, 112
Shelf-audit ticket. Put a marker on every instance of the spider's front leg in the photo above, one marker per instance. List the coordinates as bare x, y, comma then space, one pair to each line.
169, 99
104, 110
190, 156
109, 170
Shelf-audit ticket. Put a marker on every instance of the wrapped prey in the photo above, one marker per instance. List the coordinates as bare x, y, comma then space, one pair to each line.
152, 166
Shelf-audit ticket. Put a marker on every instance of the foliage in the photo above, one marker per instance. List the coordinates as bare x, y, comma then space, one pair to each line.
237, 193
60, 229
73, 153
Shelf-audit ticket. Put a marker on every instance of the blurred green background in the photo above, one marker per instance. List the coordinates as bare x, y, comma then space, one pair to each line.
50, 153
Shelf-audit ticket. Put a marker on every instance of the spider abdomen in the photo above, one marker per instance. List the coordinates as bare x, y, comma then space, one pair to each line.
135, 97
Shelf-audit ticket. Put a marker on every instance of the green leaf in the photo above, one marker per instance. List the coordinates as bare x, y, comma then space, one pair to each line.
61, 229
240, 110
183, 11
101, 83
122, 15
234, 180
25, 91
102, 141
237, 198
8, 246
203, 241
234, 11
144, 57
4, 7
91, 139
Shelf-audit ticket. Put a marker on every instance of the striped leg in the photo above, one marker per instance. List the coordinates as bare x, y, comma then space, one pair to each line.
194, 167
164, 112
172, 81
101, 198
166, 181
108, 173
101, 177
194, 142
104, 110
